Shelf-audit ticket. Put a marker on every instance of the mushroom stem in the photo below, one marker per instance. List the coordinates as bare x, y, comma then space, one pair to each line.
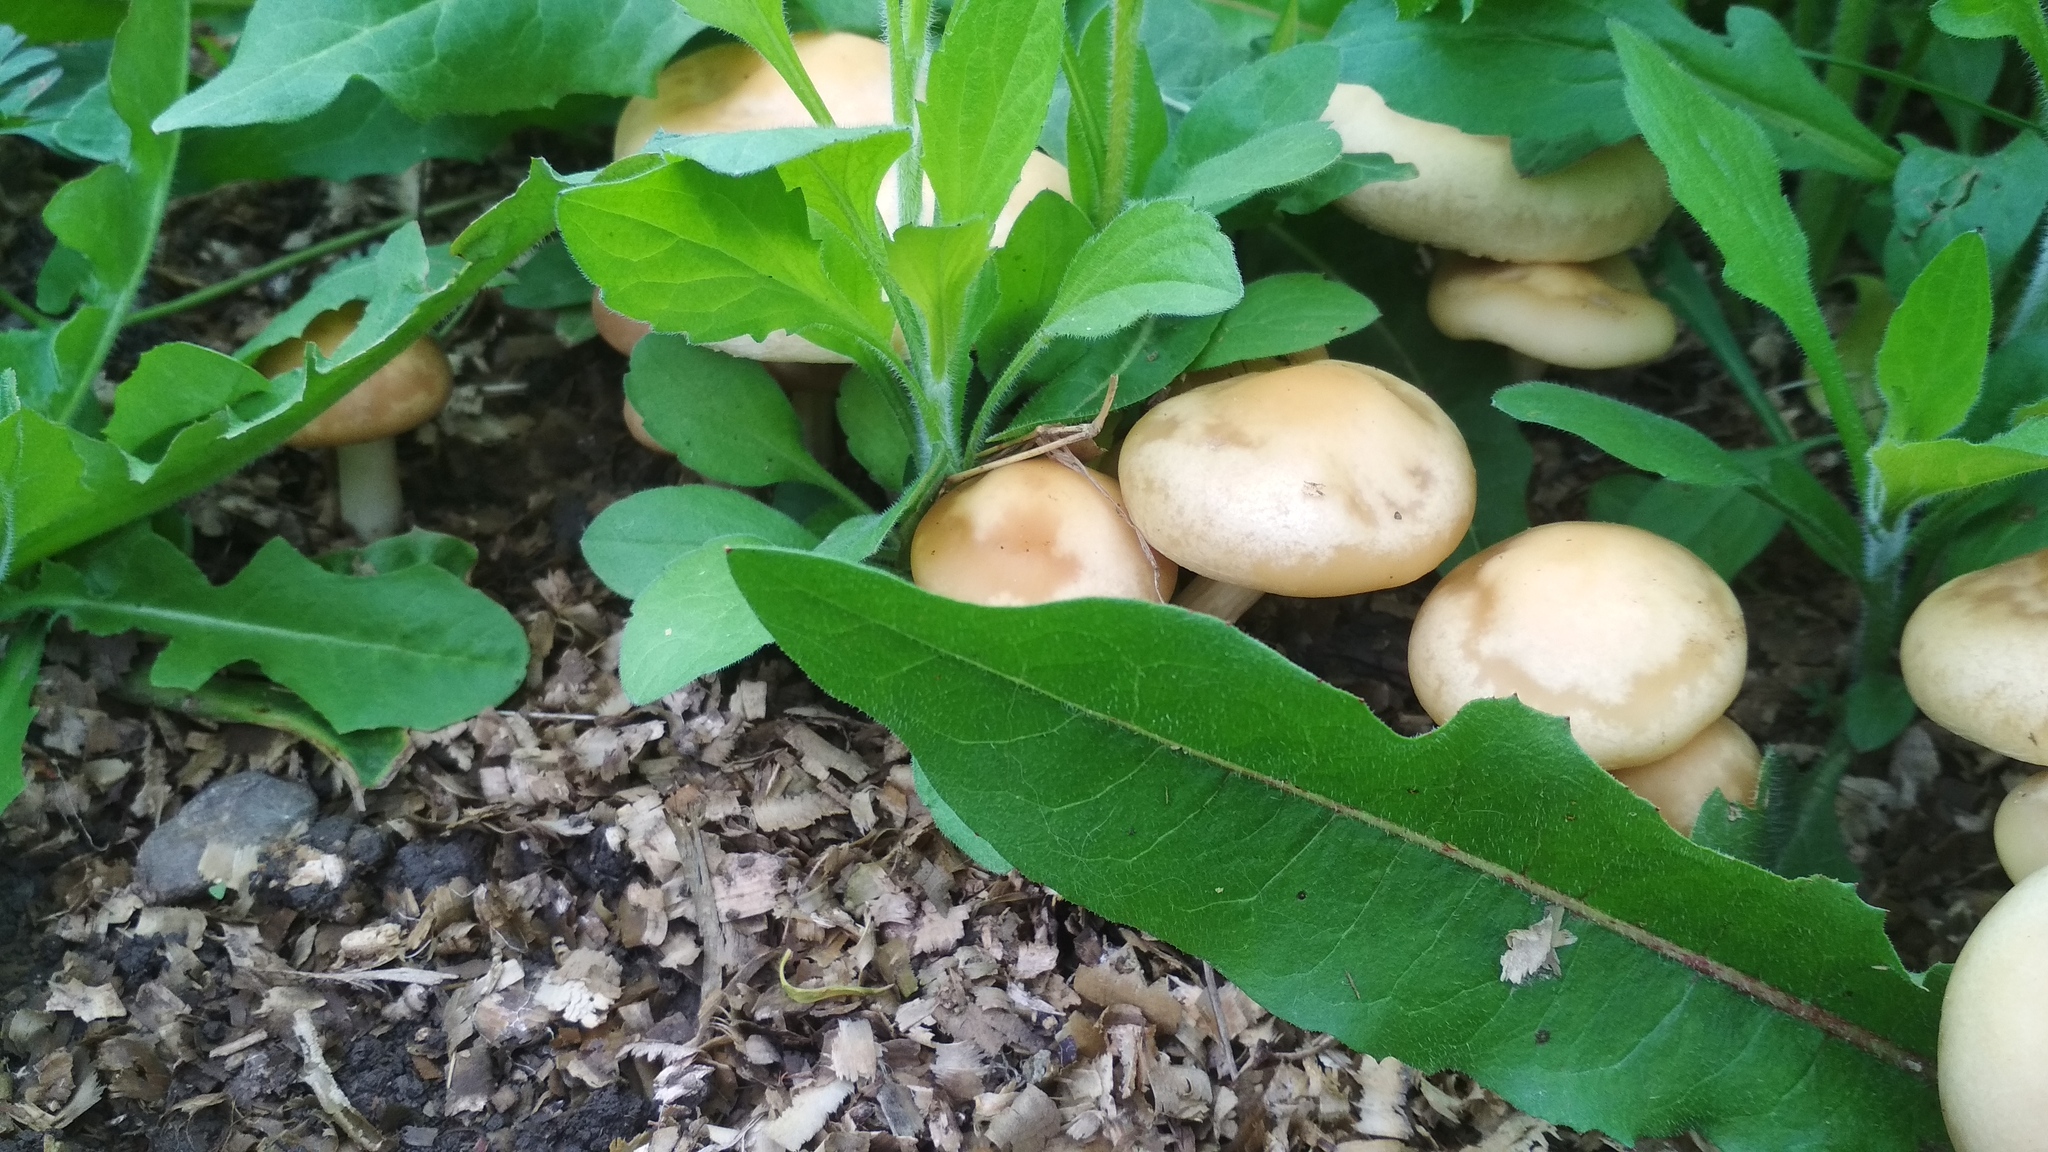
1226, 602
371, 502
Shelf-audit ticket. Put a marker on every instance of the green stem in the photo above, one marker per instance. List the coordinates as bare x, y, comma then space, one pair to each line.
1124, 19
1004, 390
22, 308
1848, 45
118, 303
1894, 100
262, 272
1902, 80
909, 29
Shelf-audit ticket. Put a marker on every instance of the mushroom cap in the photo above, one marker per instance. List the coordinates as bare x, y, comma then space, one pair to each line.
1721, 757
1628, 635
1467, 195
1595, 315
731, 88
637, 429
1322, 479
1975, 657
1031, 533
405, 393
2021, 829
1992, 1058
617, 329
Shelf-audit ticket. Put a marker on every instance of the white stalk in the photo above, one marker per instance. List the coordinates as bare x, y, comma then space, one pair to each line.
371, 502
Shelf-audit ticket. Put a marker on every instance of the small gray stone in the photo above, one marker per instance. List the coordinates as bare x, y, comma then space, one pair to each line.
233, 817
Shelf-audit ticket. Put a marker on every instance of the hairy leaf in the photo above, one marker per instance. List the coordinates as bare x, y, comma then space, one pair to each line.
434, 57
1932, 362
635, 540
1161, 258
1364, 884
1286, 313
1259, 127
691, 622
765, 28
1913, 472
1982, 19
1029, 267
416, 648
1938, 195
985, 101
1074, 374
373, 754
20, 663
874, 425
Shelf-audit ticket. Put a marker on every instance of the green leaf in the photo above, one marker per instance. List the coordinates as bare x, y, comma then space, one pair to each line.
1088, 120
745, 153
1161, 258
1286, 313
433, 57
416, 648
1690, 296
1938, 196
966, 839
874, 427
937, 268
1029, 267
1653, 443
1723, 172
64, 106
1875, 710
1368, 882
548, 280
2015, 379
182, 383
691, 622
715, 257
1726, 527
763, 26
985, 101
1932, 362
632, 542
1259, 127
723, 417
1984, 19
19, 665
1075, 373
1913, 472
374, 754
451, 554
842, 182
2015, 524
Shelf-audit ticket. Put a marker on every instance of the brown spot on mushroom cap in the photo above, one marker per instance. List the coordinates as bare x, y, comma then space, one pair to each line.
1721, 757
1628, 635
1975, 657
1597, 315
405, 393
731, 88
1322, 479
1468, 196
1031, 533
1992, 1058
2021, 829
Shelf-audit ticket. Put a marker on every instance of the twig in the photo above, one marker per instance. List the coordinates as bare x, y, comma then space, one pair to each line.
1222, 1030
23, 309
1063, 436
333, 1101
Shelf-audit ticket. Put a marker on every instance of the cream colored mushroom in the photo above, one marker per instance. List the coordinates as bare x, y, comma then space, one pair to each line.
1721, 757
1626, 634
1467, 195
1594, 315
2021, 829
1322, 479
1031, 533
1975, 657
1992, 1057
362, 426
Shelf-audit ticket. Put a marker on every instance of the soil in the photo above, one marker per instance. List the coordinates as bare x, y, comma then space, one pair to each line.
515, 852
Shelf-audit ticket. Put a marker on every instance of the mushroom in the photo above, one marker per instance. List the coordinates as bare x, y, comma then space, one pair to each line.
1631, 637
362, 426
1033, 532
1467, 195
1593, 315
1991, 1060
1722, 757
1975, 657
1322, 479
2021, 829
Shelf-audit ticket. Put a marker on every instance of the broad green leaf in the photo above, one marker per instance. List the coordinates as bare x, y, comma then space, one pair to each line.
1970, 68
20, 663
1161, 258
1681, 286
1190, 48
1286, 313
416, 648
548, 279
373, 754
1075, 373
937, 268
714, 257
183, 383
434, 57
1352, 171
402, 269
1643, 439
1938, 195
1259, 127
1028, 271
1726, 527
724, 417
1281, 157
632, 542
691, 622
1723, 172
763, 26
876, 435
1912, 472
985, 101
1932, 362
58, 98
745, 153
966, 839
1983, 19
843, 182
1364, 884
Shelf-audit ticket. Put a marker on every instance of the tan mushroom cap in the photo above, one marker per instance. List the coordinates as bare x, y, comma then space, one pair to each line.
402, 395
1032, 533
731, 88
1721, 757
617, 329
1975, 657
1322, 479
1595, 315
1467, 195
1628, 635
2021, 829
1992, 1058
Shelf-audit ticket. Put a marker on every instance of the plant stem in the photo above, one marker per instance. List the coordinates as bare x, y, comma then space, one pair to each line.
262, 272
1005, 386
1903, 80
1806, 21
909, 28
1125, 17
22, 308
1827, 200
1894, 100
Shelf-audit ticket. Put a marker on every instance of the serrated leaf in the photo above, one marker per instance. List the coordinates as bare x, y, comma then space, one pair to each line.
985, 101
632, 542
1161, 258
1363, 884
434, 57
19, 665
1286, 313
690, 622
1259, 127
416, 648
1931, 364
1939, 195
451, 554
373, 754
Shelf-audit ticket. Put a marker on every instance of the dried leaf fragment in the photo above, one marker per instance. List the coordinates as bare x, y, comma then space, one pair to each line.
1532, 951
